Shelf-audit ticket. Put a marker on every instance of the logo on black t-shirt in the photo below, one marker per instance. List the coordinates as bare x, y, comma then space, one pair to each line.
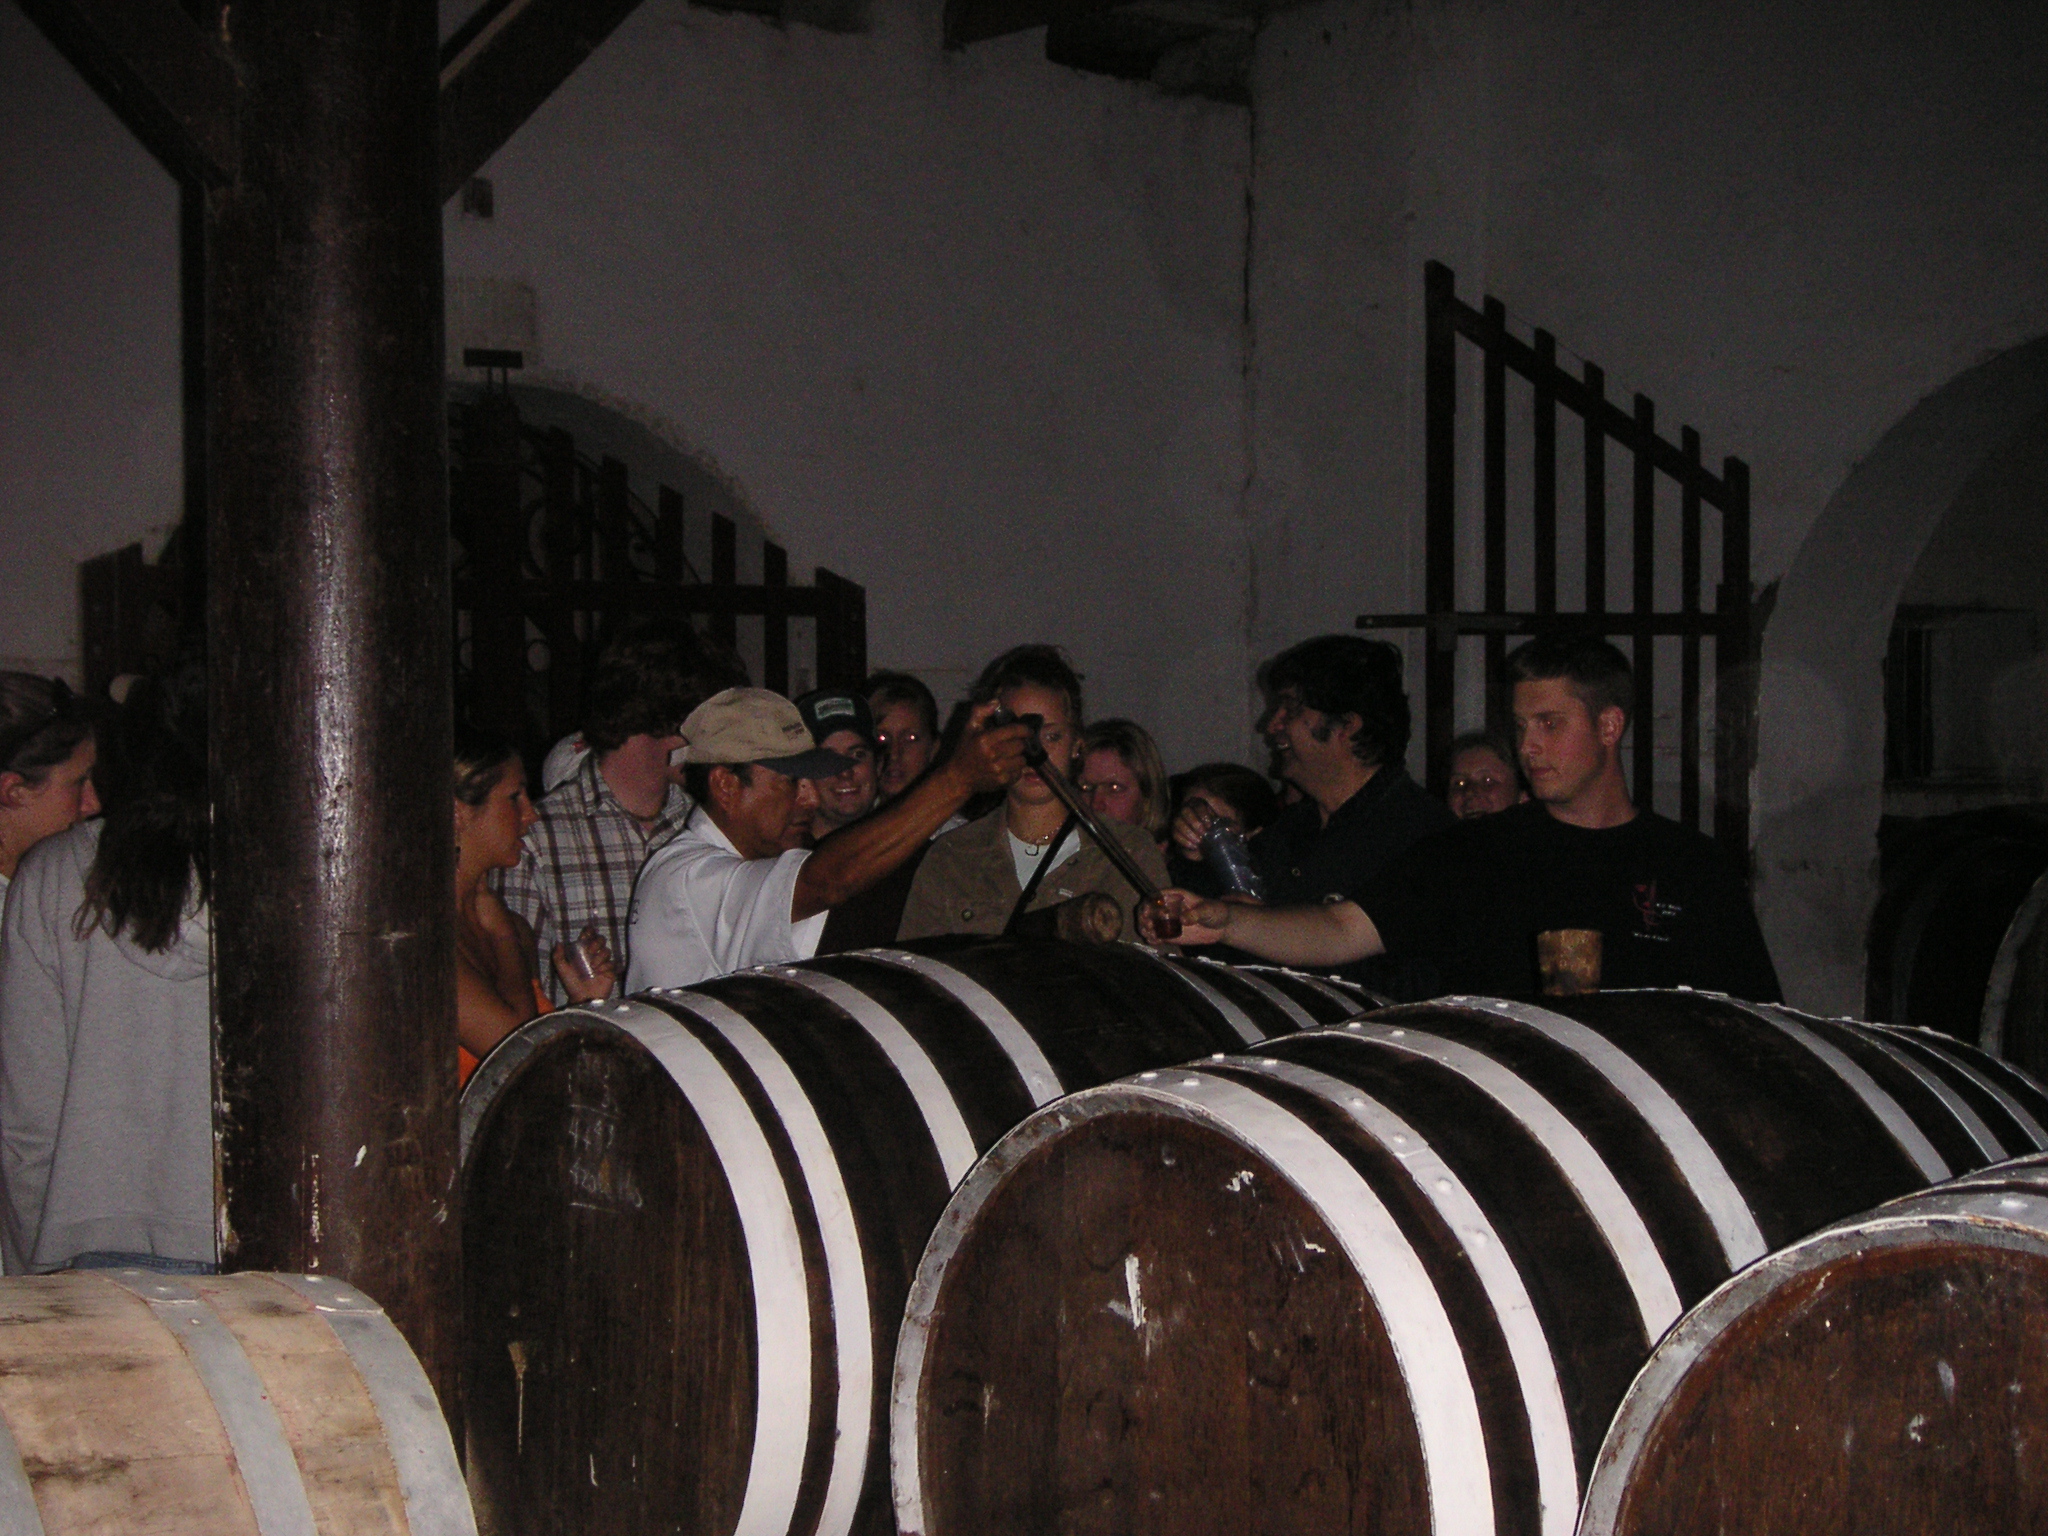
1654, 913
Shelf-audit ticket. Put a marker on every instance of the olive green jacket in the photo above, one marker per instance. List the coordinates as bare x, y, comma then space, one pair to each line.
968, 883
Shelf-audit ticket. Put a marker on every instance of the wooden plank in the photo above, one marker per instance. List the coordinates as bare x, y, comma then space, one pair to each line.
1494, 434
1643, 599
170, 83
1689, 647
1524, 622
1543, 506
1596, 496
1735, 684
724, 573
669, 564
500, 66
775, 618
614, 553
1440, 514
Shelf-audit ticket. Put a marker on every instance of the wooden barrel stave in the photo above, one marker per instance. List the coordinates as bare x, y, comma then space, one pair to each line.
863, 1086
1816, 1136
273, 1404
1888, 1373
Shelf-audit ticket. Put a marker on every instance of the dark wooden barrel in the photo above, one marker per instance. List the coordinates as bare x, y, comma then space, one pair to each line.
691, 1218
1950, 888
1887, 1374
217, 1405
2014, 1023
1393, 1276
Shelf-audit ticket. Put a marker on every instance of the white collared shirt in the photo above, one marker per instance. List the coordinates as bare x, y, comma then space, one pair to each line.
700, 911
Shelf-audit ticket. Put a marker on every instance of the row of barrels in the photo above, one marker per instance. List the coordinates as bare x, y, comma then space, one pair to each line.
1153, 1245
691, 1218
1396, 1274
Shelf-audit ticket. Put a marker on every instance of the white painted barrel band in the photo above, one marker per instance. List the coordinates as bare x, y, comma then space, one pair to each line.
1234, 1016
1040, 1081
846, 1276
1342, 993
775, 1262
429, 1477
1935, 1041
950, 1136
1706, 1177
1912, 1141
263, 1455
1557, 1478
1953, 1102
1619, 1223
18, 1513
505, 1060
1293, 1011
1425, 1346
2005, 966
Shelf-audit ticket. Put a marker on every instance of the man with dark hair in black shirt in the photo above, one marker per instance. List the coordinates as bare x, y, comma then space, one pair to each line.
1670, 909
1337, 720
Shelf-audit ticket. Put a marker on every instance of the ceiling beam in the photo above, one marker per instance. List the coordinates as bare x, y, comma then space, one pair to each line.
171, 84
974, 21
502, 63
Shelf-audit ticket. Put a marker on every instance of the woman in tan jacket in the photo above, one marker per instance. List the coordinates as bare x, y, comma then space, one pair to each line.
973, 878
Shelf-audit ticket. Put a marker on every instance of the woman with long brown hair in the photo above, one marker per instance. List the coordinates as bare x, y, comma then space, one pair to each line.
495, 987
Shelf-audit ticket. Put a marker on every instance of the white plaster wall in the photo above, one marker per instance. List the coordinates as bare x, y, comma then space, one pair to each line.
1785, 224
963, 327
90, 421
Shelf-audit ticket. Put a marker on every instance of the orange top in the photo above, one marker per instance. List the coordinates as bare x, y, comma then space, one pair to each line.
466, 1060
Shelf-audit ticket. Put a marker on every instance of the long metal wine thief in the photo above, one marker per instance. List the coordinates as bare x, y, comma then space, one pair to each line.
1041, 763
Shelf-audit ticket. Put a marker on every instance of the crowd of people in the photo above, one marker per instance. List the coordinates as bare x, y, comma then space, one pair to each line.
695, 825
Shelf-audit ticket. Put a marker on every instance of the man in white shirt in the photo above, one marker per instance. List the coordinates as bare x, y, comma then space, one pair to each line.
734, 889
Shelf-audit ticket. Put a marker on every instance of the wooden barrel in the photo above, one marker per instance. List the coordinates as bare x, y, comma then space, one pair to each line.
1951, 886
690, 1219
2014, 1023
1887, 1374
216, 1405
1393, 1276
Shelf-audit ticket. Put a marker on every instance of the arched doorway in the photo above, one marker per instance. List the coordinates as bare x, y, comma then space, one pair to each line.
1821, 763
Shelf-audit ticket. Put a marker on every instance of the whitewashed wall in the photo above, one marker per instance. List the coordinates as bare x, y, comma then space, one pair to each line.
964, 327
91, 455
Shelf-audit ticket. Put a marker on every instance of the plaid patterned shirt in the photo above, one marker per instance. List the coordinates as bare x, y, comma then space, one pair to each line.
578, 866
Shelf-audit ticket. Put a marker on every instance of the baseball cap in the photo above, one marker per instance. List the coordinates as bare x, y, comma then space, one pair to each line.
752, 725
826, 710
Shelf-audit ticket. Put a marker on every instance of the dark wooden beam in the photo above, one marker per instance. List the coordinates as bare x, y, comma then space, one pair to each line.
974, 21
502, 64
329, 669
160, 74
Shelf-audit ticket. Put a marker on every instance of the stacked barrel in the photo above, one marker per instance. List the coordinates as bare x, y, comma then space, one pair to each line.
1394, 1276
691, 1218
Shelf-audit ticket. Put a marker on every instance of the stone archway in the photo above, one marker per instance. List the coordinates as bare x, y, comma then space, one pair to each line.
1820, 768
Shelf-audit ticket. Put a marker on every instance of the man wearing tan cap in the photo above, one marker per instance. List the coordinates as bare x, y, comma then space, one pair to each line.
735, 888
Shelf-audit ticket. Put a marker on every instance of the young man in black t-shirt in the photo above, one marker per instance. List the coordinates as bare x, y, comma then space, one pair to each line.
1470, 902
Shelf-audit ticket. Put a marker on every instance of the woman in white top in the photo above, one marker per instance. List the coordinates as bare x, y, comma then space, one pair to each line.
106, 1040
47, 752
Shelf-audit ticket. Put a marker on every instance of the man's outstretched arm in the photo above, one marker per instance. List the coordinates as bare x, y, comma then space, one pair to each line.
855, 857
1336, 934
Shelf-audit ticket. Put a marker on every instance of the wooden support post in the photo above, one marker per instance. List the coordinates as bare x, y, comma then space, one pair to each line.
1543, 511
774, 618
1495, 435
1689, 654
1644, 602
328, 629
1440, 517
